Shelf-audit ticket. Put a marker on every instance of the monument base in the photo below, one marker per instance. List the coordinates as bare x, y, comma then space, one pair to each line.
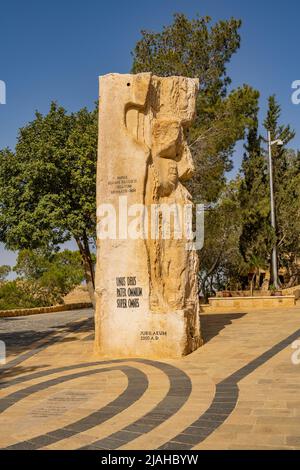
156, 335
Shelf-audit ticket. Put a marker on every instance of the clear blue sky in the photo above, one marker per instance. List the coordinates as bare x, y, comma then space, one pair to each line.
55, 50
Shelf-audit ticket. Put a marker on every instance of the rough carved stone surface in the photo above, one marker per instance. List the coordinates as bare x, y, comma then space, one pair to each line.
146, 286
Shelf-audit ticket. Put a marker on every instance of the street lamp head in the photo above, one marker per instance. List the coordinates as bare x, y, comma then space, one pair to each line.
278, 142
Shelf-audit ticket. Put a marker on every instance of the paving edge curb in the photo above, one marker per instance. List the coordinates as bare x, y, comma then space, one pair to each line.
22, 312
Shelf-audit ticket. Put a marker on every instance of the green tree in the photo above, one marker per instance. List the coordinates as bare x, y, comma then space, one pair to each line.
59, 270
257, 236
64, 273
287, 199
222, 265
279, 153
48, 185
32, 264
15, 295
195, 48
283, 175
4, 271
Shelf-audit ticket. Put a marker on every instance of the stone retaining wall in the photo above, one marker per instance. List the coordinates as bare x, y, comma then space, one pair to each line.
292, 291
20, 312
227, 304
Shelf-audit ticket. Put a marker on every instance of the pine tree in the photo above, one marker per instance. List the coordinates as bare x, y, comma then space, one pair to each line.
197, 48
281, 174
257, 237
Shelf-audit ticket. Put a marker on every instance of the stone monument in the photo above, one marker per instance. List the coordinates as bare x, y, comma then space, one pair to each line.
146, 277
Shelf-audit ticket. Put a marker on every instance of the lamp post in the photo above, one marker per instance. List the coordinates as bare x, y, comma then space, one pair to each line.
273, 219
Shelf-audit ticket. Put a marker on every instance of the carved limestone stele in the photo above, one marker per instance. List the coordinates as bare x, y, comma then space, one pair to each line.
146, 286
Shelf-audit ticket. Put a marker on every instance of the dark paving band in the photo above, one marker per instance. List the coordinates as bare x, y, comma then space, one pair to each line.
224, 402
178, 393
44, 373
137, 385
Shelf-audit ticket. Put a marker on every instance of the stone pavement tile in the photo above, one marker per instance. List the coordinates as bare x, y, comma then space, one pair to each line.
175, 424
278, 420
238, 428
293, 441
39, 363
218, 440
6, 438
174, 446
272, 412
40, 422
261, 439
292, 430
275, 404
241, 413
213, 445
267, 410
293, 404
240, 419
136, 411
76, 442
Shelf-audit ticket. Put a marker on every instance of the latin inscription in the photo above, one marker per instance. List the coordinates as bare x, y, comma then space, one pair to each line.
128, 293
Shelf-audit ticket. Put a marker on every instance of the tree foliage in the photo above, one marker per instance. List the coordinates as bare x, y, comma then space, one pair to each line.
221, 263
48, 185
59, 270
258, 237
44, 278
195, 48
4, 271
14, 295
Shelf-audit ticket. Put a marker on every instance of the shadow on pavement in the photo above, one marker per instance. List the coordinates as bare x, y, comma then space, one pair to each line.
211, 324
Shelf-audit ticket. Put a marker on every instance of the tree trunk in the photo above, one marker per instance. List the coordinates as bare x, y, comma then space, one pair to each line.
251, 285
257, 279
88, 267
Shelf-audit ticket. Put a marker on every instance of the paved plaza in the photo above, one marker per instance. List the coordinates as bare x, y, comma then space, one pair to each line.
239, 391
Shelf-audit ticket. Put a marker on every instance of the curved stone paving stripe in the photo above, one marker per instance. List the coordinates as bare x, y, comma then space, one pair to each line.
178, 393
37, 375
137, 385
224, 402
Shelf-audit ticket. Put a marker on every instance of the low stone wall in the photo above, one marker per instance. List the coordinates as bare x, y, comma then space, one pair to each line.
226, 304
292, 291
243, 293
262, 293
247, 293
21, 312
